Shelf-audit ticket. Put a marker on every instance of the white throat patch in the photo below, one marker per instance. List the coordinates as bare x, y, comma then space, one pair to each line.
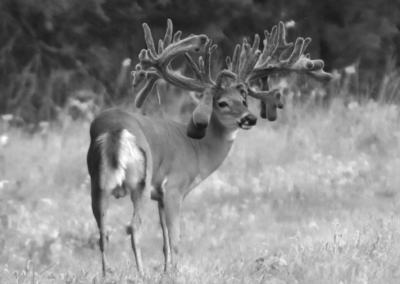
232, 135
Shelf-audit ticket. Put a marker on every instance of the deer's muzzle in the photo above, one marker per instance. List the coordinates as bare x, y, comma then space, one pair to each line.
247, 121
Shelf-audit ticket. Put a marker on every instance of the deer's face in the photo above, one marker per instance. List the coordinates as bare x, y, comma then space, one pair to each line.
231, 108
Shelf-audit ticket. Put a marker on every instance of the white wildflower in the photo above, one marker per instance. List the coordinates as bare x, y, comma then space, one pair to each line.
352, 105
2, 183
7, 117
313, 225
47, 201
4, 140
290, 24
126, 62
350, 69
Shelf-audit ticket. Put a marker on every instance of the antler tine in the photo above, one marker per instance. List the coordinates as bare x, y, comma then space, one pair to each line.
268, 44
149, 40
193, 66
168, 34
210, 48
281, 44
228, 62
177, 36
201, 64
233, 65
236, 59
248, 58
160, 46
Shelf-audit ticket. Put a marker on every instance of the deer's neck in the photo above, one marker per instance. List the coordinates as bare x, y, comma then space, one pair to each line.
215, 146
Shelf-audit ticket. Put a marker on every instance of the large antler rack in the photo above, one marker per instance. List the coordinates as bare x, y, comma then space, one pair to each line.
155, 65
250, 64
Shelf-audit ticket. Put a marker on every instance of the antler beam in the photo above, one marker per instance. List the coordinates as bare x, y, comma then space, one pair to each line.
271, 62
155, 65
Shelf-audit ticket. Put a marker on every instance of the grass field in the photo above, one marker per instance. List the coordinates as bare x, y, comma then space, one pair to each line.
311, 198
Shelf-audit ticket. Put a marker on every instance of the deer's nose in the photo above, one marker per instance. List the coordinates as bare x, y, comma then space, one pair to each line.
251, 119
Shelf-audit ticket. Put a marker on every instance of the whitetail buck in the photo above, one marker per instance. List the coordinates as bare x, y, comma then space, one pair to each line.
147, 157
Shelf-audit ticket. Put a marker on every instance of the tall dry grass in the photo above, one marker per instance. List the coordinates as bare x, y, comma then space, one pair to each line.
311, 198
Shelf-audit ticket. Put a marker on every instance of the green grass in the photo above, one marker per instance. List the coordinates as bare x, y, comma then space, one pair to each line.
311, 198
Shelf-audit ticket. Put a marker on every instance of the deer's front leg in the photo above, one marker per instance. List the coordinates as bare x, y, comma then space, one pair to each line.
172, 203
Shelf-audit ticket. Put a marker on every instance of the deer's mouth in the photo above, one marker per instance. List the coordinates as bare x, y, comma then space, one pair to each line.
245, 125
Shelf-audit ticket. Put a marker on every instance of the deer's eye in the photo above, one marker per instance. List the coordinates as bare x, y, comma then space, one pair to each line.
244, 103
222, 104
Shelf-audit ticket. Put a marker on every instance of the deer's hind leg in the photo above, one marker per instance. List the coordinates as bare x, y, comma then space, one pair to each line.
137, 183
100, 201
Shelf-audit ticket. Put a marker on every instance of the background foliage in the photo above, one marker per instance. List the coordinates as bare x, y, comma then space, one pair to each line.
51, 50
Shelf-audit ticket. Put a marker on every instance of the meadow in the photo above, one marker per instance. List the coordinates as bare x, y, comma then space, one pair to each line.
310, 198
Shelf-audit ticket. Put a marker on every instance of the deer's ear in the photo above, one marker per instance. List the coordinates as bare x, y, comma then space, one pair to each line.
196, 97
263, 109
195, 132
269, 110
272, 113
197, 126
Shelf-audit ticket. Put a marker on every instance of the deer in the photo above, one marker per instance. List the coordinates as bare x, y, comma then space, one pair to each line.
150, 158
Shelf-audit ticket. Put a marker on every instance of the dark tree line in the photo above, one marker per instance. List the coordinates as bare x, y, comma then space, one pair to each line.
51, 48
